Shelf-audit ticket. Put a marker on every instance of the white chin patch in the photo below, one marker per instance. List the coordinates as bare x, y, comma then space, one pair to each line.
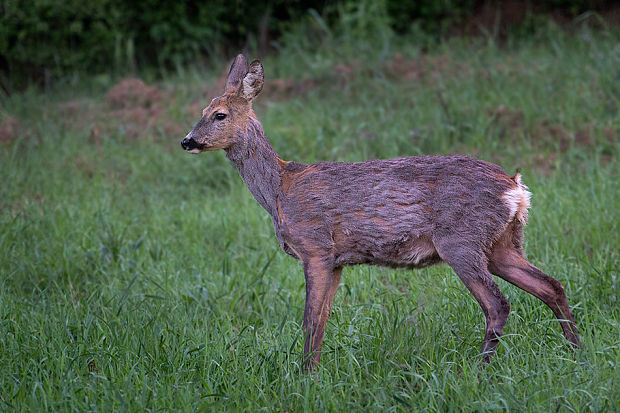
195, 150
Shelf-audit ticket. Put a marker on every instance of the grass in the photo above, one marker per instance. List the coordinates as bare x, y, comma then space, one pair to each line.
138, 277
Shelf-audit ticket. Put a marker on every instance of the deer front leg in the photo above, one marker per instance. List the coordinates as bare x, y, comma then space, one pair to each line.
329, 299
320, 278
327, 307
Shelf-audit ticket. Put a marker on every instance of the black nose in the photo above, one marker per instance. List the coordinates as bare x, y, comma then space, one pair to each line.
189, 144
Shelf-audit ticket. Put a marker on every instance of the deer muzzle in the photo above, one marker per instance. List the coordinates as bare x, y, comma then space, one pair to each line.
190, 145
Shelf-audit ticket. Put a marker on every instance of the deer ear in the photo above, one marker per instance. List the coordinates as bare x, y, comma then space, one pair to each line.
253, 81
237, 71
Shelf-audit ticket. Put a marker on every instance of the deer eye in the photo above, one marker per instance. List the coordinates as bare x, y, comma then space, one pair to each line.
220, 116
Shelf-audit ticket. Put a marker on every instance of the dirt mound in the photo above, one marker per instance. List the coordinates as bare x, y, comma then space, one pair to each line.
280, 89
132, 92
544, 132
424, 66
139, 108
401, 68
548, 133
9, 129
508, 119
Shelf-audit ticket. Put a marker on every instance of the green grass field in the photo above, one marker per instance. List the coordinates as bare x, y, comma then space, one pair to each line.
135, 276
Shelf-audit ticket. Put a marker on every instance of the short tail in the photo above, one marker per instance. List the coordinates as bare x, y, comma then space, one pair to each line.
518, 200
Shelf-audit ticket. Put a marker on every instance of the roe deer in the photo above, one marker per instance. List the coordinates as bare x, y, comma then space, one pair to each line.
406, 212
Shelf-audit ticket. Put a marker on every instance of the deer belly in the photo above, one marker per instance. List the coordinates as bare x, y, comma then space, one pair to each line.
406, 250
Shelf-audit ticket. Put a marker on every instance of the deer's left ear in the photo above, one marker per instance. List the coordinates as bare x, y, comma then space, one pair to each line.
237, 71
253, 81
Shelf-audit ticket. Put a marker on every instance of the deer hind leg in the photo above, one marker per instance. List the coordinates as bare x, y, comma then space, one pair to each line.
508, 264
473, 273
321, 284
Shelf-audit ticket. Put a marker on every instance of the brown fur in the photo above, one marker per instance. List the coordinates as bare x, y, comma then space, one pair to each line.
405, 212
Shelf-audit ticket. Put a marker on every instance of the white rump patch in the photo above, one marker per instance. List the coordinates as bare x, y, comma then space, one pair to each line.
518, 200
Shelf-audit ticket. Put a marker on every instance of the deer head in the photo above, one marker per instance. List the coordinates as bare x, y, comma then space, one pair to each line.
228, 115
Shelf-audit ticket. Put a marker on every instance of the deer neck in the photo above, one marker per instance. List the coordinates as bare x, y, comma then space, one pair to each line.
258, 165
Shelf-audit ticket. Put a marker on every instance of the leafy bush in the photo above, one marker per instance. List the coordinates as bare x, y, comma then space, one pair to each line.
44, 39
432, 15
41, 40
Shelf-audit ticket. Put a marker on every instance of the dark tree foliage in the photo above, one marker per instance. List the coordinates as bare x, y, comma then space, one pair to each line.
440, 16
41, 40
431, 15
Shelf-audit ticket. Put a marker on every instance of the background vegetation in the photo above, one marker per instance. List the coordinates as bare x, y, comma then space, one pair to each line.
44, 40
135, 276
